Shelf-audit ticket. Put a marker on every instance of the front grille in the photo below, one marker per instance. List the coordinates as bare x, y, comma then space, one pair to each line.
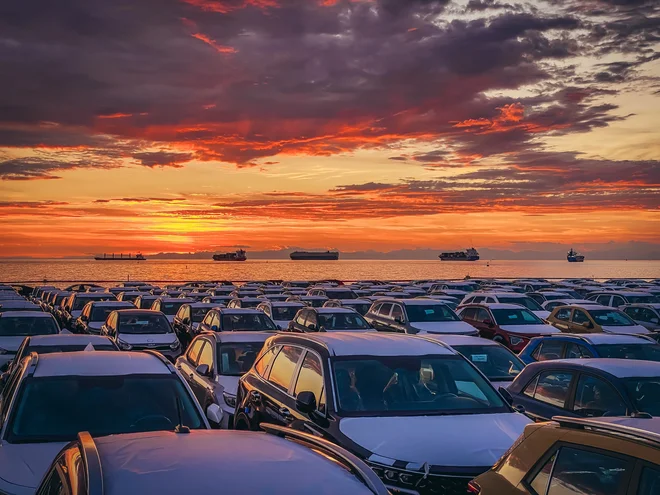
402, 482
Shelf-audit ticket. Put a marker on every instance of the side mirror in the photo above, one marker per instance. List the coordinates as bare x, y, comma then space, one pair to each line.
214, 414
312, 328
203, 370
306, 402
507, 396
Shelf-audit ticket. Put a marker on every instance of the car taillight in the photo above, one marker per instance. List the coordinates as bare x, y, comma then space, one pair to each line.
473, 488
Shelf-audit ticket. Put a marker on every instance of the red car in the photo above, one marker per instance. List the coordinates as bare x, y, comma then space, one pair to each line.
509, 324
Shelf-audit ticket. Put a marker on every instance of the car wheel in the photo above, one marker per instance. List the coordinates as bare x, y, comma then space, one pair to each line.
241, 422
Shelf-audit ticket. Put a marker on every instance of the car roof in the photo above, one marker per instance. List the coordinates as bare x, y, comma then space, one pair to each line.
588, 306
239, 311
68, 339
182, 300
603, 338
138, 311
329, 311
217, 458
202, 305
415, 302
496, 305
285, 304
112, 304
621, 368
26, 314
498, 293
228, 337
375, 344
453, 340
623, 293
100, 363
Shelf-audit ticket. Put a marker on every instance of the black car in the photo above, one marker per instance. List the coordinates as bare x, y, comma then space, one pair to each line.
236, 320
187, 320
328, 320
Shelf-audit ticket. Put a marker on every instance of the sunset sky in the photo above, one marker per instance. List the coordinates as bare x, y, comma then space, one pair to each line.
200, 125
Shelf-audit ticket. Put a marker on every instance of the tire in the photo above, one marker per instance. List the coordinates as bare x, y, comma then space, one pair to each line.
241, 422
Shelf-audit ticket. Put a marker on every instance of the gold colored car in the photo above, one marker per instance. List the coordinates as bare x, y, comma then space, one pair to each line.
566, 456
593, 318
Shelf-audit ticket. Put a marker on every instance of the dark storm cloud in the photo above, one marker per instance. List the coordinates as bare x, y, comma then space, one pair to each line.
162, 158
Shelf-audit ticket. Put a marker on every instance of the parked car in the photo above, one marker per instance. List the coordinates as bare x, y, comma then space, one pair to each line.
620, 298
221, 301
360, 305
550, 305
647, 315
593, 319
142, 329
312, 301
16, 325
73, 307
328, 320
593, 345
506, 298
237, 462
236, 320
579, 456
587, 388
245, 302
144, 301
169, 306
416, 316
494, 360
213, 365
49, 398
507, 324
187, 320
95, 313
333, 292
282, 313
18, 305
420, 414
547, 295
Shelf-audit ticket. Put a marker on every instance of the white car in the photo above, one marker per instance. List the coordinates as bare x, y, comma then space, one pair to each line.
169, 306
50, 398
281, 312
16, 325
506, 298
95, 313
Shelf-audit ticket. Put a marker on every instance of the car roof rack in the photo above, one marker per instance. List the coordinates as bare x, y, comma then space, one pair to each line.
367, 476
92, 463
629, 432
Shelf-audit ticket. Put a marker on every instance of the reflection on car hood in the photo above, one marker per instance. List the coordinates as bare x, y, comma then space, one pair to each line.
530, 329
26, 464
469, 440
630, 329
148, 338
281, 324
229, 384
96, 325
449, 327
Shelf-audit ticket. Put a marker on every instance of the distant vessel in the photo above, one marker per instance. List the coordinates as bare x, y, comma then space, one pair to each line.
573, 257
239, 255
469, 255
312, 255
120, 257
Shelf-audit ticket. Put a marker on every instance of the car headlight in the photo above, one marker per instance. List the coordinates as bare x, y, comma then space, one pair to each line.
230, 400
175, 345
516, 340
124, 346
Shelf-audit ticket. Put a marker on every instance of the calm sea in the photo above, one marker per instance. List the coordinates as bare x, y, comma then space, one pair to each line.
54, 270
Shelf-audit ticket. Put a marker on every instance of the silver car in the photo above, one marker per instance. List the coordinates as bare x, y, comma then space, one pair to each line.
647, 315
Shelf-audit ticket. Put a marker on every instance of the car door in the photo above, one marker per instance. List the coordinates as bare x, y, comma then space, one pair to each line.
372, 315
384, 319
398, 316
594, 397
548, 350
604, 299
484, 323
562, 319
202, 384
277, 404
581, 323
188, 362
311, 321
310, 378
577, 351
617, 301
547, 394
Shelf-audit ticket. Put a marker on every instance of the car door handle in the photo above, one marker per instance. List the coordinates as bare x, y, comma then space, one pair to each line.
285, 413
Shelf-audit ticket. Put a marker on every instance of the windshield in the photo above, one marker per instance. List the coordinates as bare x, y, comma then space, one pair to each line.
285, 313
342, 321
143, 324
20, 326
495, 361
646, 352
413, 384
171, 308
645, 393
515, 317
101, 313
247, 322
362, 308
641, 299
79, 302
235, 359
528, 302
198, 314
432, 312
55, 409
610, 318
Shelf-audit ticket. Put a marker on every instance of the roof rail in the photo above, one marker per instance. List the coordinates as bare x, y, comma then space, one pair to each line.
92, 462
163, 359
616, 429
368, 477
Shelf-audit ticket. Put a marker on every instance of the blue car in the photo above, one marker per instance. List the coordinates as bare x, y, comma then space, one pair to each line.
595, 345
586, 388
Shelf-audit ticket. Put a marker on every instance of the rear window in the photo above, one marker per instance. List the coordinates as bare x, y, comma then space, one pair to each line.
170, 308
430, 313
24, 326
143, 324
79, 302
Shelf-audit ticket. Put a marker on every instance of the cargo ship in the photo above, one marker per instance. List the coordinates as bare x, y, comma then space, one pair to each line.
469, 255
314, 255
573, 257
239, 255
120, 257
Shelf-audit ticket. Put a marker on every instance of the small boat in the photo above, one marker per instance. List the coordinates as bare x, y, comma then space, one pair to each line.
314, 255
573, 257
120, 257
239, 255
468, 255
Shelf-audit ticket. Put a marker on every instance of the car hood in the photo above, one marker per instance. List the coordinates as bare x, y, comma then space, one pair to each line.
148, 338
469, 440
281, 324
95, 325
632, 329
11, 343
26, 464
542, 313
449, 327
530, 329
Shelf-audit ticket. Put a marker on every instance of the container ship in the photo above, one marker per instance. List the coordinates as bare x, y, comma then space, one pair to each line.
120, 257
239, 255
311, 255
573, 257
469, 255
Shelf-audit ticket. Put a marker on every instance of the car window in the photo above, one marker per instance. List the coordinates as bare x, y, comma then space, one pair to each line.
587, 473
549, 350
563, 314
579, 317
604, 300
193, 352
206, 356
311, 319
617, 301
649, 484
482, 315
281, 371
531, 387
261, 366
577, 351
648, 315
595, 398
552, 388
300, 317
310, 379
54, 482
397, 311
539, 482
385, 310
215, 320
478, 299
